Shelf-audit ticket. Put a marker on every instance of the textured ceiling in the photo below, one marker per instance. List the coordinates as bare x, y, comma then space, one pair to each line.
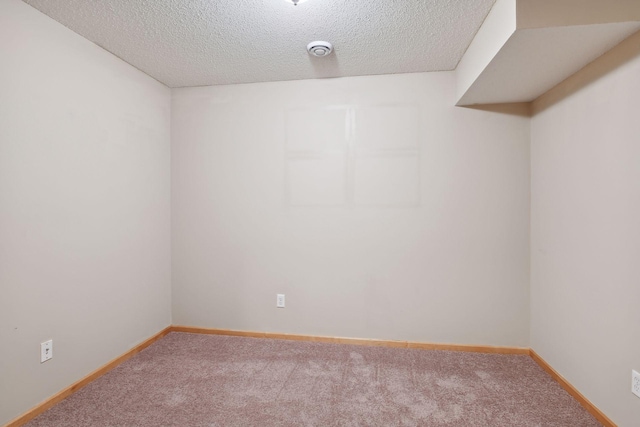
208, 42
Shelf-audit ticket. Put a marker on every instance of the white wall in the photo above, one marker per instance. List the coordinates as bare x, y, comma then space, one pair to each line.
585, 230
84, 206
375, 205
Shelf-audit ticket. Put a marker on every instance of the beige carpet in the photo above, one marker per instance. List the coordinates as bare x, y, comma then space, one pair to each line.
207, 380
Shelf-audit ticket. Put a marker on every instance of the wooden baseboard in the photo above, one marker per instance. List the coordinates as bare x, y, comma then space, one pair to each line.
356, 341
593, 410
58, 397
63, 394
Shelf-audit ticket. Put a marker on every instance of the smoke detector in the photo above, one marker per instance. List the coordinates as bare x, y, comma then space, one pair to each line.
319, 48
296, 2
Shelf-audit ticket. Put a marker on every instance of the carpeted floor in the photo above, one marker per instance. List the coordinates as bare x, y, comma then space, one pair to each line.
207, 380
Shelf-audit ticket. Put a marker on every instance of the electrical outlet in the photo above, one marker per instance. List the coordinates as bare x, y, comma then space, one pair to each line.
46, 351
280, 300
635, 383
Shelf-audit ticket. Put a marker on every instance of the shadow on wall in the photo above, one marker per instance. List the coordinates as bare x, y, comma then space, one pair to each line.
626, 51
521, 109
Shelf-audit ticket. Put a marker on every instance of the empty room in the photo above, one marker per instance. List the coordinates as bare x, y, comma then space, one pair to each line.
320, 213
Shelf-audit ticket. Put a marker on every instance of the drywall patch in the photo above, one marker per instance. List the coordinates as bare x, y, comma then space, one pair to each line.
351, 155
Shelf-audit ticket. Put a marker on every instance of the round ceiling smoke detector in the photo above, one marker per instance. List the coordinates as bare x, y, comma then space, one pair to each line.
319, 48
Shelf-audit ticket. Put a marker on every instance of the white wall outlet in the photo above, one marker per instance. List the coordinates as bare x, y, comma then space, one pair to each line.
46, 351
635, 383
280, 300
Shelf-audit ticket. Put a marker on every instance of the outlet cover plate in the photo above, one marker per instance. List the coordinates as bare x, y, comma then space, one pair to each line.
635, 383
46, 351
280, 300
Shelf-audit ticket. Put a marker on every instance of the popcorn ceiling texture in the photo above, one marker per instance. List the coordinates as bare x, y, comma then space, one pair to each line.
209, 42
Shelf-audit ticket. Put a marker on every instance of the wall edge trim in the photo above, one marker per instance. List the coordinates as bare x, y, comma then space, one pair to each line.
68, 391
569, 388
356, 341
